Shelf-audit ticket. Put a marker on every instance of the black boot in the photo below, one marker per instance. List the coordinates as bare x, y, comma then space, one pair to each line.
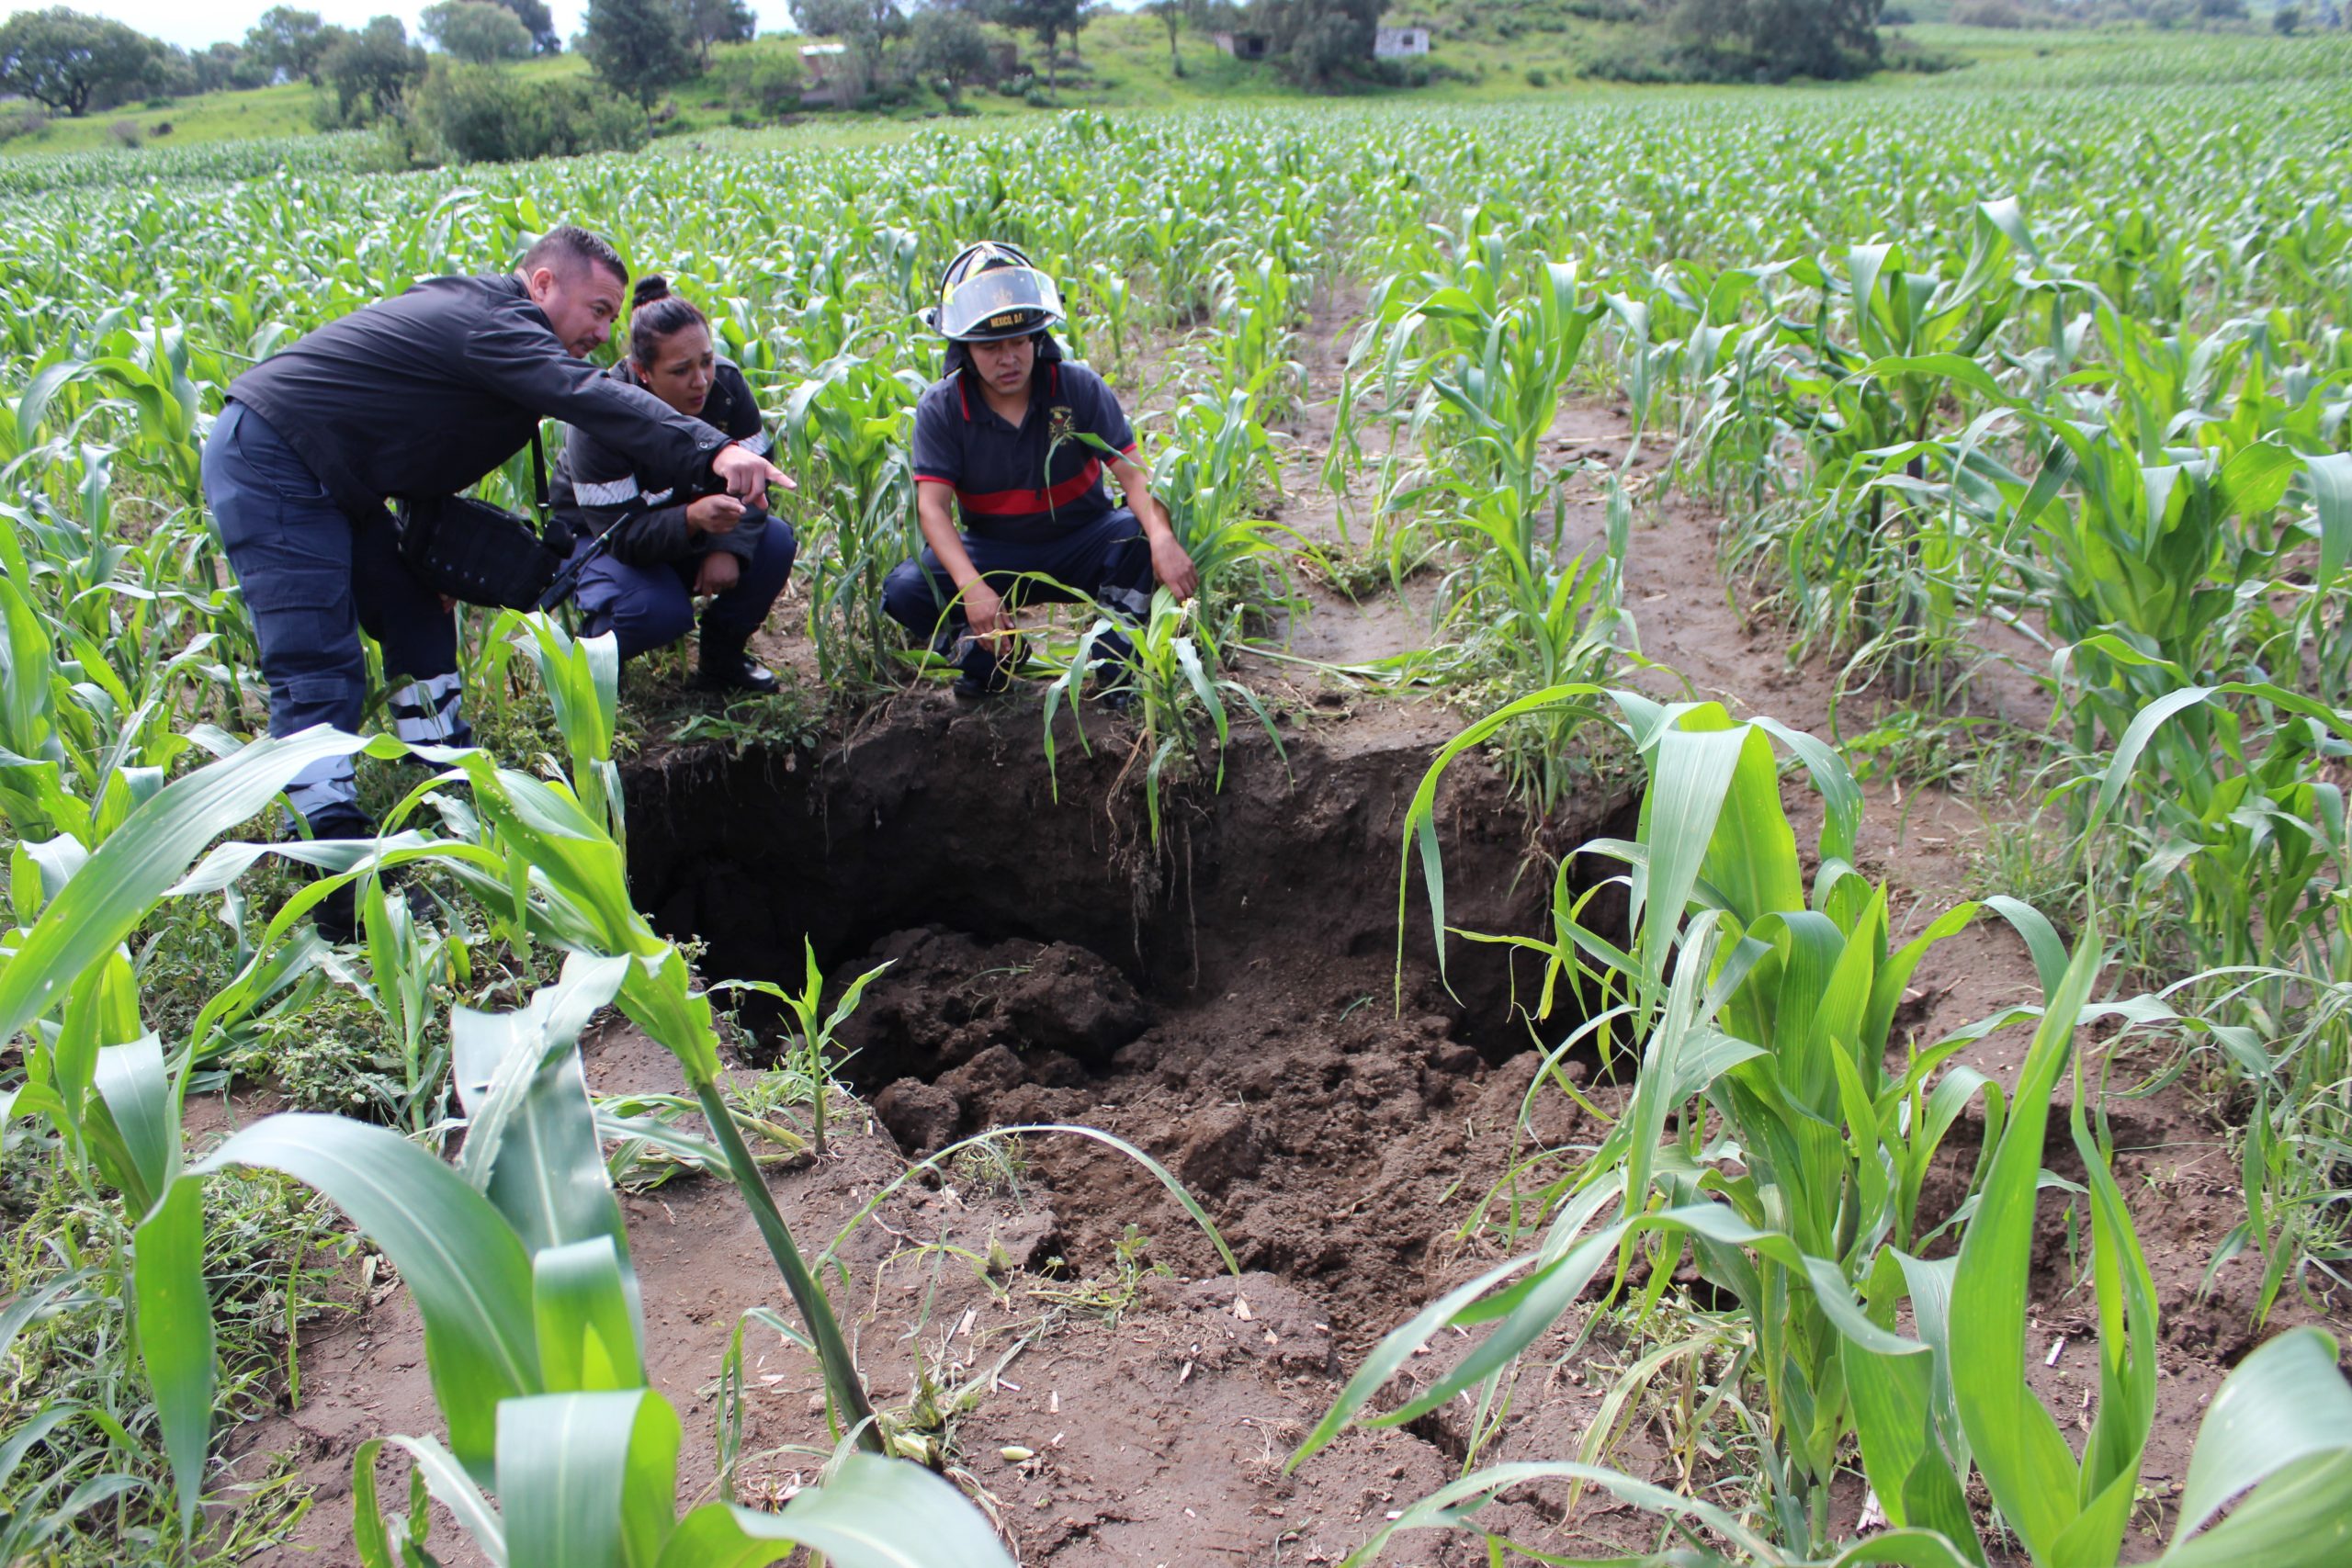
336, 916
730, 668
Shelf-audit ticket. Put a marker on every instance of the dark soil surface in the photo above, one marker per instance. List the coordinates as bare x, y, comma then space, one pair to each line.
1230, 1002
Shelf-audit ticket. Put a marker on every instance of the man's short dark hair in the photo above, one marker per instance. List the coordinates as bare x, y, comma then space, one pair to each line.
569, 244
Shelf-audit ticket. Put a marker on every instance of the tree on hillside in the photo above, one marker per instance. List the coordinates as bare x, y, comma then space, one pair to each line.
226, 67
370, 68
539, 22
1321, 43
1780, 39
706, 22
1048, 21
871, 29
290, 40
476, 31
1176, 15
636, 47
949, 50
68, 60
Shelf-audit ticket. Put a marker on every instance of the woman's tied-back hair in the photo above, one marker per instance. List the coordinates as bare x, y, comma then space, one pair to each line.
655, 315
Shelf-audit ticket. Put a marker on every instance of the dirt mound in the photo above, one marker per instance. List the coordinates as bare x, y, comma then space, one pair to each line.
947, 997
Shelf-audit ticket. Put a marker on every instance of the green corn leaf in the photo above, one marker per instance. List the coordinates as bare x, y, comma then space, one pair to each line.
2330, 478
1546, 1297
126, 875
1893, 973
586, 1318
1943, 367
2041, 937
2300, 1519
1395, 1347
456, 1252
1421, 815
176, 1339
1691, 779
1841, 798
531, 1140
443, 1478
137, 1118
2285, 1406
1751, 852
1894, 1416
587, 1480
2127, 1308
2253, 484
2025, 1461
871, 1513
1451, 1505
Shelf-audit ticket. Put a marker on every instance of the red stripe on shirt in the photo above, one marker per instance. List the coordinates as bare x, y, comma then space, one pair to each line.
1020, 503
935, 479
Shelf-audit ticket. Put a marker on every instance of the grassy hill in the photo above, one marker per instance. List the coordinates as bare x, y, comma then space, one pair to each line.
1482, 50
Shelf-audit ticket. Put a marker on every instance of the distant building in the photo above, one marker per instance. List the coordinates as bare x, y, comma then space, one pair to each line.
1244, 46
1395, 43
828, 76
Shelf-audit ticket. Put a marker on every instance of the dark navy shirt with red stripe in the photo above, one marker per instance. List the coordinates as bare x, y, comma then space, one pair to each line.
1022, 485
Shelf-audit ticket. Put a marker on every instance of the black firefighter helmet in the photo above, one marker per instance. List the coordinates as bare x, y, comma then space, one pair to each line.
992, 292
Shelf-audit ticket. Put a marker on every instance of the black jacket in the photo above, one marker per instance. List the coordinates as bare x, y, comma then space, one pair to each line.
422, 394
599, 487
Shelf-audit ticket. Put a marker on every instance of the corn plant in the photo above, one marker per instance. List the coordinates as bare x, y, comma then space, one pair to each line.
846, 430
1797, 1193
582, 681
529, 850
552, 873
1174, 690
519, 1265
2148, 576
2242, 864
816, 1028
2277, 1442
1214, 467
1821, 1147
80, 746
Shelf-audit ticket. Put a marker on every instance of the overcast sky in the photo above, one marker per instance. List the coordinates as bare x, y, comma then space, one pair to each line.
192, 24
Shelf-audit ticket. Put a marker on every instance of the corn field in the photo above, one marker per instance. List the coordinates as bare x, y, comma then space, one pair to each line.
2047, 384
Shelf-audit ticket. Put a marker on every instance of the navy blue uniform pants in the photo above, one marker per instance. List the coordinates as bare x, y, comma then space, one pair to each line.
1108, 560
313, 580
646, 608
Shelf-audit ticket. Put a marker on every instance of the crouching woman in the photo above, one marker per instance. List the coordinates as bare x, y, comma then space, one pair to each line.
671, 545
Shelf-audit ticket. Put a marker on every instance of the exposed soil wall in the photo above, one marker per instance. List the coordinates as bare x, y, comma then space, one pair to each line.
938, 815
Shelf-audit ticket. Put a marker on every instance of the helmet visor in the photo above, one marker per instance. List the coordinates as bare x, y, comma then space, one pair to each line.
999, 302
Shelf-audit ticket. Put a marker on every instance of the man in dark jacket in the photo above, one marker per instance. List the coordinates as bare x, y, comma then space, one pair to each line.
417, 396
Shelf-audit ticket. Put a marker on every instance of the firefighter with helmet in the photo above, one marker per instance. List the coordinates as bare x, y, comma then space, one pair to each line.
1014, 440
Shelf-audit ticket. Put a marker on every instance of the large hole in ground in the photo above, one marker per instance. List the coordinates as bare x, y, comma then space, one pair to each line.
1227, 1002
